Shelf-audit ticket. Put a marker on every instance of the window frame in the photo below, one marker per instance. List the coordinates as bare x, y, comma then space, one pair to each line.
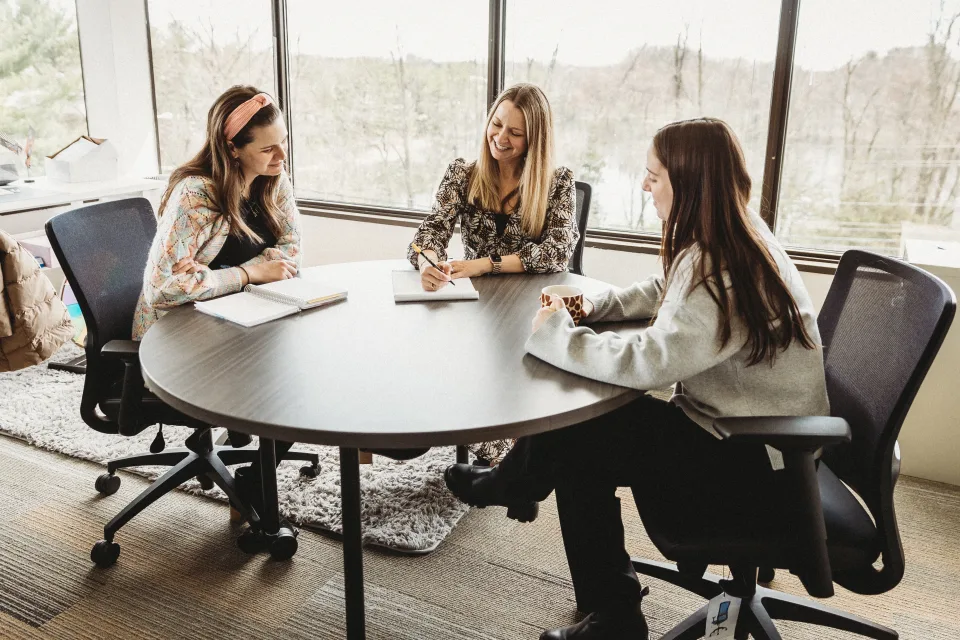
635, 241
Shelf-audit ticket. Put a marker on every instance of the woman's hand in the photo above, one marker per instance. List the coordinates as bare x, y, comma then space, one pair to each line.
556, 304
470, 268
587, 307
271, 271
187, 265
433, 279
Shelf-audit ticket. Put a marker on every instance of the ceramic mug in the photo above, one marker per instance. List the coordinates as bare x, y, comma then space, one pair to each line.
572, 299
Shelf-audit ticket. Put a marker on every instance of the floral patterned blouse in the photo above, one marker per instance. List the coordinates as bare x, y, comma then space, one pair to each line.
478, 229
548, 254
191, 227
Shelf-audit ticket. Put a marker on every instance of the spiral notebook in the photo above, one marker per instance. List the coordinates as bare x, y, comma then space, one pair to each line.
259, 303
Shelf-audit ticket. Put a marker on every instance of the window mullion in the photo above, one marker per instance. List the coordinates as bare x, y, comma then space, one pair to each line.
779, 108
282, 73
496, 60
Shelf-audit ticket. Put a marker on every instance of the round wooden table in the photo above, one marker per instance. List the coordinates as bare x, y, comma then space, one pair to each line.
369, 373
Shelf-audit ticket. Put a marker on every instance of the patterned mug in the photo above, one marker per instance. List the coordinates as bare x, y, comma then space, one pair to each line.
572, 299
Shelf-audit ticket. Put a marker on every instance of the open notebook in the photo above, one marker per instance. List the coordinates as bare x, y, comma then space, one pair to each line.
259, 303
407, 288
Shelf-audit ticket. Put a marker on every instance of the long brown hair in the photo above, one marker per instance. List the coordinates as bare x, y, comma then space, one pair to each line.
215, 162
711, 189
537, 173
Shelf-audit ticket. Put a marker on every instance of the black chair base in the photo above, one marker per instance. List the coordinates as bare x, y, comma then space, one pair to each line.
200, 459
757, 611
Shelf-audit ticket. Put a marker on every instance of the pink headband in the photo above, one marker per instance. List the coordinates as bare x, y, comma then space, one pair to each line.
242, 114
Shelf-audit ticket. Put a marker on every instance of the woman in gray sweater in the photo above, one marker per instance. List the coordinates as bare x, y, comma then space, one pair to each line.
731, 325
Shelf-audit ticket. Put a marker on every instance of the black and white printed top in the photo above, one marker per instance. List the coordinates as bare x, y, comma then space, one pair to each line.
483, 234
478, 228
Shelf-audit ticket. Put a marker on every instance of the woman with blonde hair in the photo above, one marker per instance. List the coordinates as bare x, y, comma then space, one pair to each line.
227, 218
517, 212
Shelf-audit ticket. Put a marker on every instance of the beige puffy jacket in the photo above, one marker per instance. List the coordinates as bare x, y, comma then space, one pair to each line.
33, 321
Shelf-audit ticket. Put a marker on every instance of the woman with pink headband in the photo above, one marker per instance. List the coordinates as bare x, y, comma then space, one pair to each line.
227, 218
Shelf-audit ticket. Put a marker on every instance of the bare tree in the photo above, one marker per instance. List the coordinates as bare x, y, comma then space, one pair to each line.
700, 73
679, 56
853, 118
943, 83
403, 83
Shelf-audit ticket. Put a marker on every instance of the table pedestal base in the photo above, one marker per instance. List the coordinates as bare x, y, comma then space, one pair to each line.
352, 542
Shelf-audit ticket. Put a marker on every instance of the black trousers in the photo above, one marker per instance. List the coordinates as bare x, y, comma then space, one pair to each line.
678, 473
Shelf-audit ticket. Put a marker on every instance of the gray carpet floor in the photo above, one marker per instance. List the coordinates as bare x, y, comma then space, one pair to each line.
180, 575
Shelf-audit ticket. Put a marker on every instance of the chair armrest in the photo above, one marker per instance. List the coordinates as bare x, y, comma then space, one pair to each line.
804, 433
798, 438
122, 349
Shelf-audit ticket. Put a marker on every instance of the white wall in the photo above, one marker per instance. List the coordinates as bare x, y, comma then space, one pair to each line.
929, 441
116, 81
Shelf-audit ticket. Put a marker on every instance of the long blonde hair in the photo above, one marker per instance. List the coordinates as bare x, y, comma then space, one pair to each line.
215, 162
537, 173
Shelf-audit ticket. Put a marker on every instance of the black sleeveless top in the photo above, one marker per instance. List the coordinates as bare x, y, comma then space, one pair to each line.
236, 251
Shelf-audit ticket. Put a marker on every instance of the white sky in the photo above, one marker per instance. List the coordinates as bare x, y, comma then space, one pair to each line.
588, 33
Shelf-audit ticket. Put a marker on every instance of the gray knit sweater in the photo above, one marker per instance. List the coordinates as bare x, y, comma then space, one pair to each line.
682, 346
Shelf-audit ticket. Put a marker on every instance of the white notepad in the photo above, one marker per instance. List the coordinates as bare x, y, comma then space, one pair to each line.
407, 288
259, 303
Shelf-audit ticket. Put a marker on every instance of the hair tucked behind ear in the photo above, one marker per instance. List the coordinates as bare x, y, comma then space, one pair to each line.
711, 189
215, 161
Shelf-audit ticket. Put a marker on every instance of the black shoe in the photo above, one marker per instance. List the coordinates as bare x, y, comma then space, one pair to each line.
479, 487
609, 624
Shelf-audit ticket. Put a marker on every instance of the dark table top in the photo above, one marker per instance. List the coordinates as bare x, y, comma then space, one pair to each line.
369, 372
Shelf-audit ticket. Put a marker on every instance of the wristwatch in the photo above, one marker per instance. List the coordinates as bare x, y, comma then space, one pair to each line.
496, 261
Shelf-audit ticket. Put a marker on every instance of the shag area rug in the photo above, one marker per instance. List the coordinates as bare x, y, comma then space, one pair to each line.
406, 506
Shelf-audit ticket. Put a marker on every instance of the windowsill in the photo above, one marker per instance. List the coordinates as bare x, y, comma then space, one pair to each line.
809, 261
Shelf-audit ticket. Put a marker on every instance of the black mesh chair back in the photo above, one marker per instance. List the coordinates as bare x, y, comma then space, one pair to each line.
103, 251
583, 213
882, 323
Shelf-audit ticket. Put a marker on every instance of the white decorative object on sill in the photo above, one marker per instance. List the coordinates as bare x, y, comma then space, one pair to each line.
932, 253
85, 159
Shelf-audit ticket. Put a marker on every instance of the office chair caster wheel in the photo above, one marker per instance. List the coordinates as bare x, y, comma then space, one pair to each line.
107, 484
105, 553
310, 471
205, 482
765, 575
251, 541
284, 546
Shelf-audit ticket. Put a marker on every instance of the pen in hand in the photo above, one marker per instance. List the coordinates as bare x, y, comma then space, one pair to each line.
427, 258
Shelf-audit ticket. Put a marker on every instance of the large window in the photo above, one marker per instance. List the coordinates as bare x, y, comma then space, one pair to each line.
384, 95
617, 71
41, 83
873, 148
200, 49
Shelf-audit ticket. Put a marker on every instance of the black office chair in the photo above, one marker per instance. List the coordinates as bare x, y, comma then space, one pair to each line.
103, 251
882, 324
583, 213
